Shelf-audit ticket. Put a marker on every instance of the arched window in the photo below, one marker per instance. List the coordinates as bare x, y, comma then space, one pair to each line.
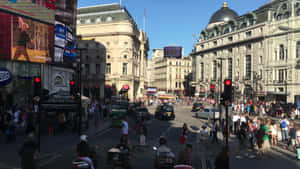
243, 25
251, 20
109, 18
287, 15
298, 12
125, 56
284, 7
226, 30
278, 17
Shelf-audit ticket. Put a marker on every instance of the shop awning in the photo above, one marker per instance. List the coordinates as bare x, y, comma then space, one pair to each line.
277, 93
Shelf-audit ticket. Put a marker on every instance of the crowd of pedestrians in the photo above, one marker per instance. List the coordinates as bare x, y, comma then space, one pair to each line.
260, 133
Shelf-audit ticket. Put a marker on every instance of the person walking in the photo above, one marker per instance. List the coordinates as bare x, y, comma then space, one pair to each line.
29, 153
284, 125
292, 134
125, 128
298, 142
273, 133
97, 115
266, 142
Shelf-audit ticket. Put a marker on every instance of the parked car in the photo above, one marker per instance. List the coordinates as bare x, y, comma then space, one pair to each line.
142, 113
197, 106
208, 113
165, 112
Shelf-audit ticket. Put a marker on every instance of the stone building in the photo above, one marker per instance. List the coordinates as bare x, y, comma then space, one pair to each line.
169, 73
93, 61
126, 46
259, 51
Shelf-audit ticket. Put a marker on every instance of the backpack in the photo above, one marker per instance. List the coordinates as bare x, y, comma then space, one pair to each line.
283, 124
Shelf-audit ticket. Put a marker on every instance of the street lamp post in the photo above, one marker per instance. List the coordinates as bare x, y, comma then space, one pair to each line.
78, 60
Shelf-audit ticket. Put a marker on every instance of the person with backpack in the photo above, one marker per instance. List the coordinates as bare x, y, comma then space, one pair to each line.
284, 125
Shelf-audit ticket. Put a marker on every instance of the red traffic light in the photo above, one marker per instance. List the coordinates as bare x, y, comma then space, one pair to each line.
212, 86
72, 82
227, 82
251, 102
37, 80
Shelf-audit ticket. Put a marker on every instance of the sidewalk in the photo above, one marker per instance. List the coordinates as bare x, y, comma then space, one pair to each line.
50, 145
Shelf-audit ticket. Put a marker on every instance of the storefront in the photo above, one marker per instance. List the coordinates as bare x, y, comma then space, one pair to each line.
18, 76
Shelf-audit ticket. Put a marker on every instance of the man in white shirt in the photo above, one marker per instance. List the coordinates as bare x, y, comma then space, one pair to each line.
125, 128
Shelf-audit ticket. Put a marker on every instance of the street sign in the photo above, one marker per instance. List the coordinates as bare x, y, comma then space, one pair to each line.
299, 105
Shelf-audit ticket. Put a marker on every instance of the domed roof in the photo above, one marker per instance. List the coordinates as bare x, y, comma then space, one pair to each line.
223, 14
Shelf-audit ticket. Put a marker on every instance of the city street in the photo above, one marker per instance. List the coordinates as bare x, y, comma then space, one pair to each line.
143, 156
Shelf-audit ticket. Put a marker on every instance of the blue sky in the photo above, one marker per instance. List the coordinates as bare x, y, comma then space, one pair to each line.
173, 22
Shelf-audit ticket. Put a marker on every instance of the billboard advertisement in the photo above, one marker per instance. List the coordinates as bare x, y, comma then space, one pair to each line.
26, 39
173, 51
41, 10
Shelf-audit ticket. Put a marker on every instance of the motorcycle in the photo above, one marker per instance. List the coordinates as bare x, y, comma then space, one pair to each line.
119, 158
81, 163
164, 160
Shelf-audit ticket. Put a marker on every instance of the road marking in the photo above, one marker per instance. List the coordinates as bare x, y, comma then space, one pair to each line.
104, 131
58, 155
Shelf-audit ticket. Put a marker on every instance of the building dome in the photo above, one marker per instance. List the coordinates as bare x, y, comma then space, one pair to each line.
223, 14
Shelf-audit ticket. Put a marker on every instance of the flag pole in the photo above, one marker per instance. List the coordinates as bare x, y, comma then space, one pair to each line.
121, 3
144, 26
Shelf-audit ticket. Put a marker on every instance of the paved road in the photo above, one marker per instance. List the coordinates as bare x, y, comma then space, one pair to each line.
143, 156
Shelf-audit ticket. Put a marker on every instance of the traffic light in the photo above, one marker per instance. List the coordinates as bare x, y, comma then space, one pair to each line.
72, 88
37, 86
227, 95
212, 90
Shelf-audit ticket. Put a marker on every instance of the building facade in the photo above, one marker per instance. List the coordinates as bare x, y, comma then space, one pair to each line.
93, 61
259, 51
126, 46
170, 73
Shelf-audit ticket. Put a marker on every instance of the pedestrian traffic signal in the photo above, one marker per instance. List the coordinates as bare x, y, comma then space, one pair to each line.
37, 86
227, 96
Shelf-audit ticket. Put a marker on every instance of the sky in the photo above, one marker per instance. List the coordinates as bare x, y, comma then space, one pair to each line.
174, 22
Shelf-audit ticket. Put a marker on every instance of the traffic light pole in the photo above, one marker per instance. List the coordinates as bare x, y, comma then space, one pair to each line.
227, 131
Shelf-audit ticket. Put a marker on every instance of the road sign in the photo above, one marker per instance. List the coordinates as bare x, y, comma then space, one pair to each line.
299, 105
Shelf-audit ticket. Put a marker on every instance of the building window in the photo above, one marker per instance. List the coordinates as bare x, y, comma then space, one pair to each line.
281, 52
179, 84
281, 75
278, 17
249, 46
298, 50
108, 19
248, 67
124, 69
87, 69
215, 70
87, 57
230, 39
108, 68
125, 56
98, 70
202, 46
108, 56
287, 15
248, 34
93, 20
202, 71
243, 25
125, 44
176, 85
215, 43
215, 53
260, 73
230, 68
298, 12
230, 50
260, 59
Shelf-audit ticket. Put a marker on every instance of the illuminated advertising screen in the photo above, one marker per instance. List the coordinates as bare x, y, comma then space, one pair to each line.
173, 51
41, 10
25, 39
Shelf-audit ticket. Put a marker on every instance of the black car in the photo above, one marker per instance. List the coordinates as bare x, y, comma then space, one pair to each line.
165, 112
142, 113
197, 107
